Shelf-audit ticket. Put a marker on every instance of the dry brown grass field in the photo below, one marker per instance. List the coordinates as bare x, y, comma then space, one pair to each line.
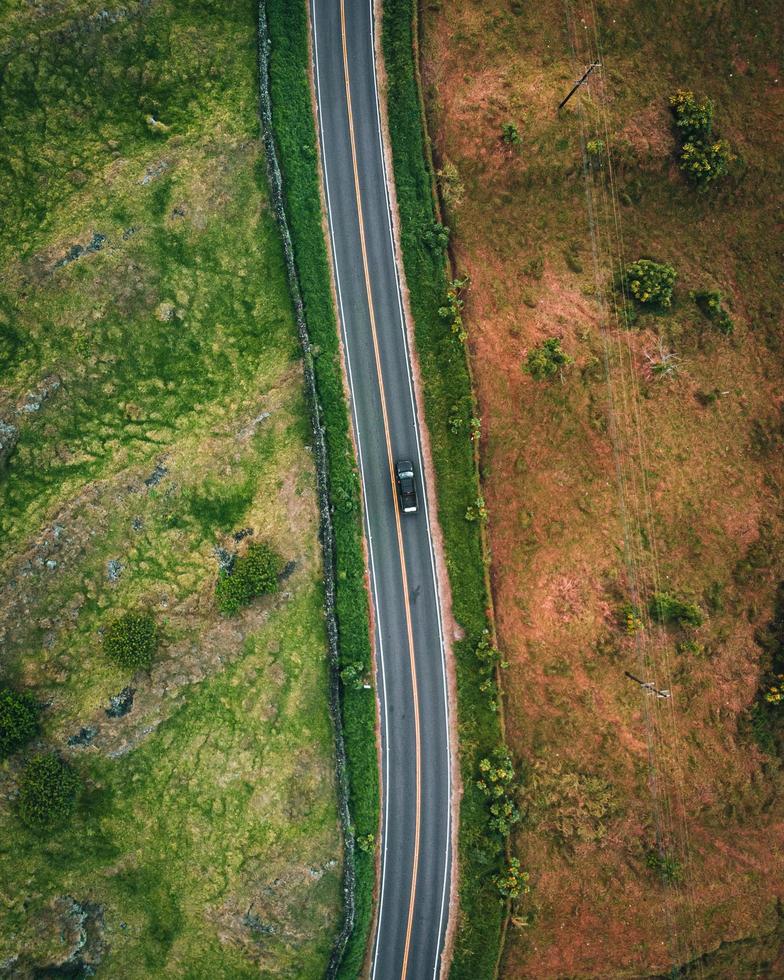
652, 827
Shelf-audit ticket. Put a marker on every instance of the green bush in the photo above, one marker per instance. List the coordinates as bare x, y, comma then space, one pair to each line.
496, 782
703, 161
48, 791
510, 134
703, 158
667, 609
254, 574
131, 640
651, 283
18, 721
694, 120
547, 359
512, 881
709, 303
436, 237
667, 868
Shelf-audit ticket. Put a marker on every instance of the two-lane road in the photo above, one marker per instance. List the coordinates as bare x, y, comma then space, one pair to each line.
416, 780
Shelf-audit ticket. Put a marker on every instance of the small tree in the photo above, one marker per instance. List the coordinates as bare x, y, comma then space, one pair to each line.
18, 721
131, 641
512, 881
547, 359
651, 283
693, 119
253, 574
703, 161
703, 157
436, 237
48, 791
510, 134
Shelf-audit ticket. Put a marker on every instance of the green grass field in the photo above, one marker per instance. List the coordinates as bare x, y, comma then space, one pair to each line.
152, 389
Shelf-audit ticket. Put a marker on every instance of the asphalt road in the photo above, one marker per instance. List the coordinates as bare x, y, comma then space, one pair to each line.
411, 681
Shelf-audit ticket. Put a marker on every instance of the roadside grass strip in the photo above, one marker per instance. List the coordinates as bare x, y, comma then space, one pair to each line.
295, 136
447, 384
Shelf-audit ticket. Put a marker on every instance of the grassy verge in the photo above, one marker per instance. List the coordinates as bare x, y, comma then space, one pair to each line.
152, 386
297, 149
447, 389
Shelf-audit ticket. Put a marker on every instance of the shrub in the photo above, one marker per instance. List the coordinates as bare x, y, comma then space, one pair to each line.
709, 304
354, 675
667, 609
667, 868
18, 721
703, 161
496, 780
253, 574
510, 134
595, 148
436, 237
650, 283
512, 881
547, 359
48, 791
131, 640
694, 120
703, 158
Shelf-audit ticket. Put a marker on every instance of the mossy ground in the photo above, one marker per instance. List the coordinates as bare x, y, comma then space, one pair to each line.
163, 363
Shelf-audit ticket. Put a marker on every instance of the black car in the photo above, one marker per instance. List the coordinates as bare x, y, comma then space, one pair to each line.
406, 488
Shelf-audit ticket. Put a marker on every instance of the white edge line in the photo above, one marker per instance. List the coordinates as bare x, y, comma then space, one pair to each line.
447, 868
380, 647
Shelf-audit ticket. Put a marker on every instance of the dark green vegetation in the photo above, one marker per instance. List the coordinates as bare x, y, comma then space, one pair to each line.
253, 574
154, 429
703, 157
48, 791
131, 640
650, 283
547, 360
18, 720
296, 139
447, 390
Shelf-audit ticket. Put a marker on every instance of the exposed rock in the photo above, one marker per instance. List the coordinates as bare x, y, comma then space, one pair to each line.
75, 252
252, 921
121, 703
246, 532
155, 170
83, 737
137, 524
9, 436
79, 927
113, 569
249, 430
156, 476
225, 558
288, 571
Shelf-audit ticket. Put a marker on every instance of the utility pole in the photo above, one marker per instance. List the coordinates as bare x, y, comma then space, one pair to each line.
648, 686
588, 70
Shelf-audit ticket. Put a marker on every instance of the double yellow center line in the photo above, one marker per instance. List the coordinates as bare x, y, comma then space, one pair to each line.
407, 607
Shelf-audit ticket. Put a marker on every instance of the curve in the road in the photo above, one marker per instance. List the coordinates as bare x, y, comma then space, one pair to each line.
416, 757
